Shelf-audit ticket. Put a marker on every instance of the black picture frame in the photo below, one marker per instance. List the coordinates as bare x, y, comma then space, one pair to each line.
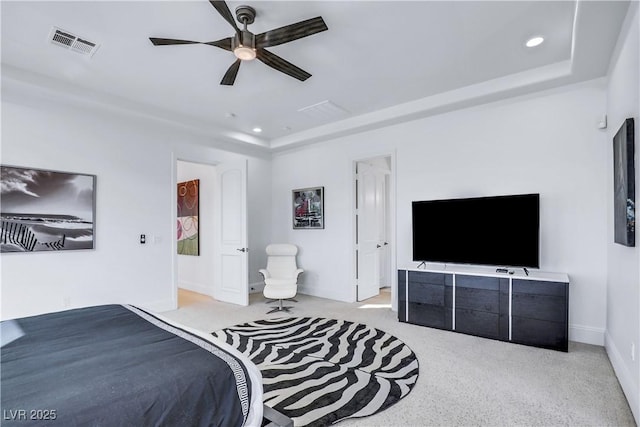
624, 199
188, 214
46, 210
308, 208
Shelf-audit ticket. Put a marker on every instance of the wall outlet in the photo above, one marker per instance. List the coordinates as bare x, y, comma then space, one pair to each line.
633, 351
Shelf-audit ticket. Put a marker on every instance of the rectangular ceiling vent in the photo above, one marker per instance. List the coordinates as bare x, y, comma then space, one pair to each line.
325, 110
72, 42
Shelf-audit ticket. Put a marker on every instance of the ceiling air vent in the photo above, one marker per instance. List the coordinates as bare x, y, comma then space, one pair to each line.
325, 110
72, 42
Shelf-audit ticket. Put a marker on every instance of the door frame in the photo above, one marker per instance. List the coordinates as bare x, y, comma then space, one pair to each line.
392, 222
174, 218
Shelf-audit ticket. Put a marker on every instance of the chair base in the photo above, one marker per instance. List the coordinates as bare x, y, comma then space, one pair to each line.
270, 300
283, 309
280, 308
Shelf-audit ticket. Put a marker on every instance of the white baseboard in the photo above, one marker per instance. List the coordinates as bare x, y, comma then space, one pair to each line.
255, 288
196, 287
307, 290
586, 334
626, 380
315, 292
160, 306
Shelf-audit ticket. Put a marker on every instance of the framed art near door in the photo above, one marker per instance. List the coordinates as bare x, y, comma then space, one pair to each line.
624, 185
188, 215
308, 208
45, 210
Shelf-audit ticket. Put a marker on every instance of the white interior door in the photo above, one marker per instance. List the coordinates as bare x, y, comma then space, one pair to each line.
232, 279
371, 229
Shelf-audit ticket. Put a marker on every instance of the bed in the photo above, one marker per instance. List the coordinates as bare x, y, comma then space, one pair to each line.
120, 365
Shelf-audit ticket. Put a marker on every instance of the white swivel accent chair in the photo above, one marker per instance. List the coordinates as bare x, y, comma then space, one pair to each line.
281, 274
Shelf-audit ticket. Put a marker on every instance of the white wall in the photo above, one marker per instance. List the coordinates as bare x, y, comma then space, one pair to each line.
134, 160
623, 291
260, 222
545, 143
195, 273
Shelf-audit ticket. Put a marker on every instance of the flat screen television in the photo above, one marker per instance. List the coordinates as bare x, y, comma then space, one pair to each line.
498, 231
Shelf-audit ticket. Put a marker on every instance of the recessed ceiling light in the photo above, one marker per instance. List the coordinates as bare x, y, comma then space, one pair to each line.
534, 41
257, 130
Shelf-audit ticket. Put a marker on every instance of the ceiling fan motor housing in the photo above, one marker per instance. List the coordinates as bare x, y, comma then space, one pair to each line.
244, 38
245, 14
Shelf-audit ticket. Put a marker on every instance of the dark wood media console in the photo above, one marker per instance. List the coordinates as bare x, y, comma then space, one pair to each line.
531, 310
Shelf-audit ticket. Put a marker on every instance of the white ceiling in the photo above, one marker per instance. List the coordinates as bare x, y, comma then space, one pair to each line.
381, 61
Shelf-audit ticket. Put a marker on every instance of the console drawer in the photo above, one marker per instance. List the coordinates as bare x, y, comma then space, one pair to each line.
425, 293
541, 307
478, 282
477, 299
480, 323
430, 315
540, 333
538, 287
427, 277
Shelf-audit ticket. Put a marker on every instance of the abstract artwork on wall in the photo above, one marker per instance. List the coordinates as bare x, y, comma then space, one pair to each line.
624, 199
188, 211
308, 208
44, 210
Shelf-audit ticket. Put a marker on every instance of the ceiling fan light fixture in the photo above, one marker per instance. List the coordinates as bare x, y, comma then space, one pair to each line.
244, 45
534, 41
244, 53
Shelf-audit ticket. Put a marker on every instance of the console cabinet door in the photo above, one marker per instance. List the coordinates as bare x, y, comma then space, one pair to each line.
430, 299
539, 314
478, 306
504, 310
402, 295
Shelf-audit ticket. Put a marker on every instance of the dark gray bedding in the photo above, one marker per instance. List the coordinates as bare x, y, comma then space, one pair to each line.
118, 366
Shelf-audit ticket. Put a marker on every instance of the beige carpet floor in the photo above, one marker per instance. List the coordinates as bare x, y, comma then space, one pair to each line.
464, 380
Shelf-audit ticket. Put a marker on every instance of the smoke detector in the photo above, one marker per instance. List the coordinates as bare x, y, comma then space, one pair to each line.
72, 42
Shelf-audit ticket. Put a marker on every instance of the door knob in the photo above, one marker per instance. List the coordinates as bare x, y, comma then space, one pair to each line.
243, 249
378, 246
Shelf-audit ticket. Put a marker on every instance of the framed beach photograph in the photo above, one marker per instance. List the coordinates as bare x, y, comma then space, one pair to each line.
308, 208
624, 198
45, 210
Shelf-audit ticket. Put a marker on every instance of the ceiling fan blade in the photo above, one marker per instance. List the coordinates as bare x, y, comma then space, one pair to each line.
222, 43
165, 42
223, 10
230, 76
277, 63
291, 32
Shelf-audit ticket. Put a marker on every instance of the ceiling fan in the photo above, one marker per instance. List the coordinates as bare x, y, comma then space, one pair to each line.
247, 46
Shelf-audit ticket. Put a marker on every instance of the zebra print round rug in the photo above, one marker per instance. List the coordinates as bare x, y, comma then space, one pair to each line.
320, 371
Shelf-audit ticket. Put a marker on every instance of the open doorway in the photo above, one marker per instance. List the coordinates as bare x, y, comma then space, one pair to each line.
220, 270
195, 231
374, 239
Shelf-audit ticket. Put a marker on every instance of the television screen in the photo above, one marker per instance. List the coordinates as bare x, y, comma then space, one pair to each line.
500, 231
